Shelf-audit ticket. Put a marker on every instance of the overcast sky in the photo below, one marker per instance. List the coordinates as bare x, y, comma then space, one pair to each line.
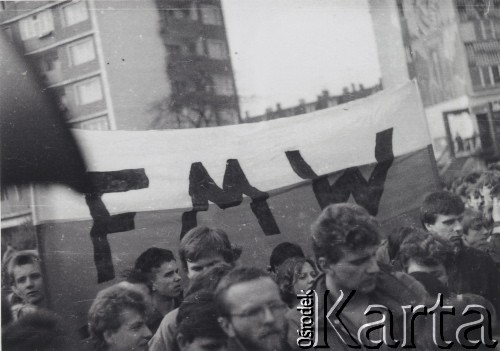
285, 50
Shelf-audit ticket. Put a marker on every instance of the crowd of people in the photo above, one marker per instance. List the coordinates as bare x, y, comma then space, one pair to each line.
455, 253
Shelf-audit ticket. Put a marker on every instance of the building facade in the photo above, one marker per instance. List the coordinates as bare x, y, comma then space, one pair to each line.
452, 49
325, 100
129, 64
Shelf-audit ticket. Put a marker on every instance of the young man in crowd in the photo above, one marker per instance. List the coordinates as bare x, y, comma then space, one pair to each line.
345, 241
198, 329
161, 267
25, 274
200, 249
203, 247
252, 313
117, 320
470, 270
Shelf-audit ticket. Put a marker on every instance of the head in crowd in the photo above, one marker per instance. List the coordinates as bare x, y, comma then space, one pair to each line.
424, 252
40, 330
203, 247
486, 182
472, 178
117, 320
345, 240
197, 325
441, 214
294, 276
251, 310
209, 278
282, 252
394, 240
26, 278
474, 199
140, 281
475, 231
161, 267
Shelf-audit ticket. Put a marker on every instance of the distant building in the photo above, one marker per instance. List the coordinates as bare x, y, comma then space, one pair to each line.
325, 100
452, 48
198, 64
130, 64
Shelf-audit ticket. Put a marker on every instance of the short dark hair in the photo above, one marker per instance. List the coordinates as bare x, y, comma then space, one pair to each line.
197, 317
21, 258
104, 314
425, 249
238, 275
153, 257
287, 275
473, 219
472, 177
489, 178
342, 227
440, 203
209, 278
136, 276
282, 252
201, 242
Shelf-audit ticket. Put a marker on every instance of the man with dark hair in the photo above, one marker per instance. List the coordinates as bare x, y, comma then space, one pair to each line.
198, 329
203, 247
165, 337
161, 267
345, 240
470, 270
251, 311
25, 274
281, 253
117, 320
441, 214
488, 180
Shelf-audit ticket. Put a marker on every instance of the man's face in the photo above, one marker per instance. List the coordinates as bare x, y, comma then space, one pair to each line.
203, 343
28, 283
166, 280
356, 270
257, 315
133, 334
476, 235
448, 227
196, 267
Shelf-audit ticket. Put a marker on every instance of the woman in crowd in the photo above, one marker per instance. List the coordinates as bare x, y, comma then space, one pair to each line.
293, 276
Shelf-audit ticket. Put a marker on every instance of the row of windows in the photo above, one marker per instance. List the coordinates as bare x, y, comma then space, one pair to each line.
42, 23
213, 48
485, 29
485, 76
210, 15
78, 53
218, 84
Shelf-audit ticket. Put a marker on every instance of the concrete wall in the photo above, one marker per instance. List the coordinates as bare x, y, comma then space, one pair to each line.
134, 59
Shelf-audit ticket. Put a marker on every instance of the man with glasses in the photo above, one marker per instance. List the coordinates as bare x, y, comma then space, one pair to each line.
251, 311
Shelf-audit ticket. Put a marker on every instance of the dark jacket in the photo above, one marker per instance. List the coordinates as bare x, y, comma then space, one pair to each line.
393, 290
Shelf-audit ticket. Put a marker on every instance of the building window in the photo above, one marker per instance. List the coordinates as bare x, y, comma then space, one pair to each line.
75, 13
100, 123
211, 15
81, 52
49, 62
37, 25
217, 49
485, 76
88, 91
223, 85
495, 70
485, 29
